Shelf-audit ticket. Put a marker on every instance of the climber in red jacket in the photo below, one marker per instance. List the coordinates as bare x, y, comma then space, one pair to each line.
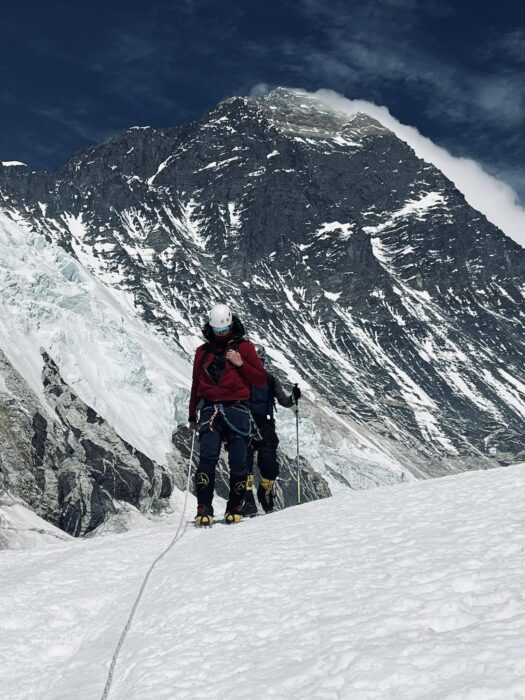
224, 370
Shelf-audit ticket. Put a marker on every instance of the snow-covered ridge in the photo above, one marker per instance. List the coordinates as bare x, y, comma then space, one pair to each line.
306, 119
409, 592
486, 193
294, 110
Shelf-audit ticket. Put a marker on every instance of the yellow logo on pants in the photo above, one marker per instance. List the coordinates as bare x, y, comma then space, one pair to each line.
202, 479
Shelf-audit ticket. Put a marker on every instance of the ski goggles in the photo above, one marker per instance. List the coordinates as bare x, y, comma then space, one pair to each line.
221, 329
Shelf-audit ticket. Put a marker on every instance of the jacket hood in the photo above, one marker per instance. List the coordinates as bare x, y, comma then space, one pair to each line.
236, 333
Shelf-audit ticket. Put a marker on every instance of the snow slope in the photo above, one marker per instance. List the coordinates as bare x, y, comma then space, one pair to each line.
413, 591
115, 362
20, 528
134, 377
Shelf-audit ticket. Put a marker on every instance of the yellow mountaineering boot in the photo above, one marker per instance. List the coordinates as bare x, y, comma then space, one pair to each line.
204, 517
249, 509
231, 518
235, 502
265, 494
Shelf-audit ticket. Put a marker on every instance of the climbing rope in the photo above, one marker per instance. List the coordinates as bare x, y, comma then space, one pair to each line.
234, 428
175, 539
218, 409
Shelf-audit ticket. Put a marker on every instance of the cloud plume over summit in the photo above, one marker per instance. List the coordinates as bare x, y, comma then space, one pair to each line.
495, 199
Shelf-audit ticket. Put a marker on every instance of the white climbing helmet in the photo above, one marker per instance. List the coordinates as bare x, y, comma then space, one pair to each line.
220, 318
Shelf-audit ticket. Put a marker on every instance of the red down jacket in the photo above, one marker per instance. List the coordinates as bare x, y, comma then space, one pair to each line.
231, 383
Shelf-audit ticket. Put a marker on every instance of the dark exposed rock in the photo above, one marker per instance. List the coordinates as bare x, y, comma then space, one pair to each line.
39, 438
70, 467
312, 485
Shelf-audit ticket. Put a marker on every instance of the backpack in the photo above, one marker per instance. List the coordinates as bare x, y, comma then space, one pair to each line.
262, 399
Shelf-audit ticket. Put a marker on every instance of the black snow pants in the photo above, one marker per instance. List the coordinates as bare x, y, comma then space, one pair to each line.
266, 450
213, 430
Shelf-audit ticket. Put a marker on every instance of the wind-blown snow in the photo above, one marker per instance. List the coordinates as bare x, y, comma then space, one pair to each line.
409, 592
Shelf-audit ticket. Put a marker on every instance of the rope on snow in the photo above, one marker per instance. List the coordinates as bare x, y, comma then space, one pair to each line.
175, 539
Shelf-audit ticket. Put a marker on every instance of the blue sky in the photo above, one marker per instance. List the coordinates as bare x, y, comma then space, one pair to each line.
71, 74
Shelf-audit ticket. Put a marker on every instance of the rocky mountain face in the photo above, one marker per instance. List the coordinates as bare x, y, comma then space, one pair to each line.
364, 271
68, 464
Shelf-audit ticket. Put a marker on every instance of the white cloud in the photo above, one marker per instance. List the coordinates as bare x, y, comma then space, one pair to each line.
502, 97
259, 89
372, 45
513, 44
490, 196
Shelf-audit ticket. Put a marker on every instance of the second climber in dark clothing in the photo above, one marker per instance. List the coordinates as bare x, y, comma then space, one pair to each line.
224, 369
262, 403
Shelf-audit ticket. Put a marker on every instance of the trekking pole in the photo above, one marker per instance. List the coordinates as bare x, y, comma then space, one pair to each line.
297, 456
191, 460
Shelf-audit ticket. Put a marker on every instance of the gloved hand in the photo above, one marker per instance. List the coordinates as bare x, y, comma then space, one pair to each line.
296, 394
235, 358
193, 426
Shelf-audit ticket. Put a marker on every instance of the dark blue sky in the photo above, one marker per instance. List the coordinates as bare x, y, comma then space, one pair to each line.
73, 73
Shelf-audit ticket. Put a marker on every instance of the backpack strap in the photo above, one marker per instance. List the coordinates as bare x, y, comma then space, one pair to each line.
207, 350
232, 344
270, 401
